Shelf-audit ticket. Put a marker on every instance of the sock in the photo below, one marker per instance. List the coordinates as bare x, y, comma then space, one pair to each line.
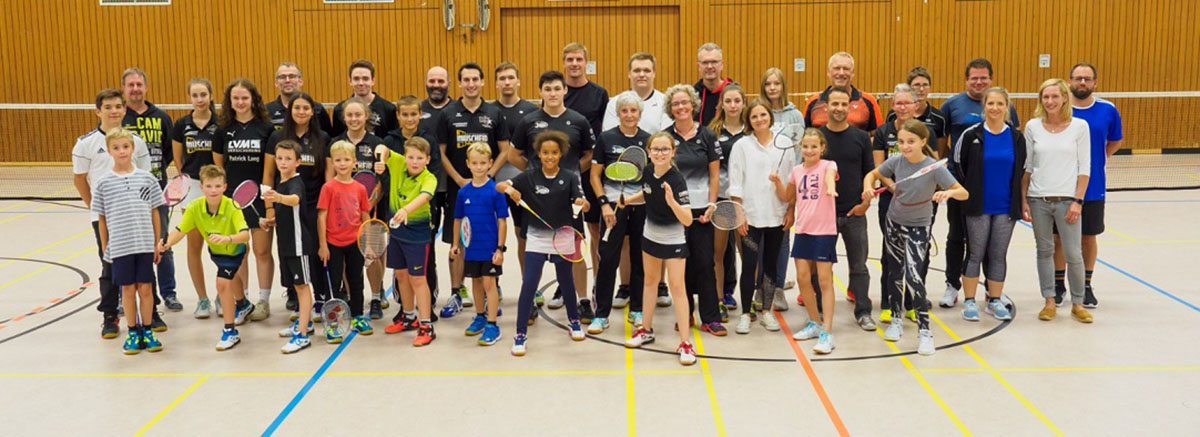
426, 322
969, 299
410, 314
377, 296
992, 299
1059, 278
264, 294
482, 313
491, 323
135, 328
1087, 277
228, 326
241, 303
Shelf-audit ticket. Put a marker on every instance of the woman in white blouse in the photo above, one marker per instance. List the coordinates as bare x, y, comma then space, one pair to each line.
1055, 180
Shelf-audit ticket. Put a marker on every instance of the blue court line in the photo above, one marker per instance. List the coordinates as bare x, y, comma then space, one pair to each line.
1136, 279
309, 385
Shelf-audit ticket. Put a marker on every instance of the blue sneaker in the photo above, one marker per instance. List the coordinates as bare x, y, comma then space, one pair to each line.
453, 306
361, 325
538, 299
133, 342
970, 310
332, 337
518, 348
730, 302
477, 325
998, 310
229, 339
491, 334
242, 313
150, 343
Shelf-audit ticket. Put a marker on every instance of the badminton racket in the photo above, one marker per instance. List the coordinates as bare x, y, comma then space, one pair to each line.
627, 168
336, 314
567, 241
922, 172
793, 133
177, 189
245, 194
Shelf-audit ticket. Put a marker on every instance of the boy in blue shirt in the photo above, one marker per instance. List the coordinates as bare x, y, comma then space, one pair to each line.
486, 209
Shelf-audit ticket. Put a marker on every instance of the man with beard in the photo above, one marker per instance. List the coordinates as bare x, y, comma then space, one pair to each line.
437, 84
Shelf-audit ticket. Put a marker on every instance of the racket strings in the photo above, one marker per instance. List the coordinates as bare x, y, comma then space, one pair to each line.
373, 238
728, 215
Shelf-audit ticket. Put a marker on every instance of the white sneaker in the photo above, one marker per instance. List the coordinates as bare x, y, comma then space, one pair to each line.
576, 332
294, 316
518, 347
780, 301
203, 309
635, 318
950, 298
295, 344
810, 331
217, 307
743, 325
555, 302
641, 337
767, 319
687, 354
894, 331
293, 330
824, 343
229, 339
925, 342
262, 310
598, 326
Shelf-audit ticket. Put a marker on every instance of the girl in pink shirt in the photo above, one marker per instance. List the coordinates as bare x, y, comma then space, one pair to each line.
812, 186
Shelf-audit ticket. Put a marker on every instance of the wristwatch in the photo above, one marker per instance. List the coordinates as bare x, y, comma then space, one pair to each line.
1079, 201
603, 200
502, 248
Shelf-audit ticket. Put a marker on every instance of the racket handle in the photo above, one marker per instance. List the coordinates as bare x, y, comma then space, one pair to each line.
604, 238
880, 190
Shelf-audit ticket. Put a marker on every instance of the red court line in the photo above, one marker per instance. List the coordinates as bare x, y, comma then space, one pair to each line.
812, 377
53, 302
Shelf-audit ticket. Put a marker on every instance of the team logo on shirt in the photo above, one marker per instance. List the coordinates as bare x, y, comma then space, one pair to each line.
541, 190
485, 121
540, 124
425, 115
459, 124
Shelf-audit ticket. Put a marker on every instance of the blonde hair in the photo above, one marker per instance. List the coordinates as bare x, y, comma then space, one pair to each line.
361, 103
417, 143
663, 134
681, 88
341, 146
782, 88
575, 47
119, 133
1065, 112
480, 148
918, 128
212, 171
1007, 100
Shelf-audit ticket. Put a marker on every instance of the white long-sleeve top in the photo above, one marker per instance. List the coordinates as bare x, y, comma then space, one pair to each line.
750, 165
1056, 160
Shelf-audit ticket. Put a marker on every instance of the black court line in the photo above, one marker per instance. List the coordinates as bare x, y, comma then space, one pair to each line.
84, 279
82, 275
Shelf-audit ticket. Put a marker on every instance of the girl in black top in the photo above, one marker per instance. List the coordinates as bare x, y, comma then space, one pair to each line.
549, 190
355, 113
729, 128
243, 130
192, 143
668, 214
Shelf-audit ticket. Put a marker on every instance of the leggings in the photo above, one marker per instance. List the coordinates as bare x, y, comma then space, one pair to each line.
347, 260
533, 276
907, 256
988, 234
630, 222
769, 240
700, 276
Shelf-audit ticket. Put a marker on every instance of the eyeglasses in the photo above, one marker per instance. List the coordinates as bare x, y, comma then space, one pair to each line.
709, 63
1083, 79
660, 150
288, 76
681, 103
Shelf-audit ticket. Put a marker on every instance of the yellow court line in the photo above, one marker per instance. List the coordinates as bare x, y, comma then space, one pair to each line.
718, 420
916, 374
1120, 234
1070, 369
304, 374
27, 213
1196, 177
171, 406
54, 244
992, 371
47, 267
630, 394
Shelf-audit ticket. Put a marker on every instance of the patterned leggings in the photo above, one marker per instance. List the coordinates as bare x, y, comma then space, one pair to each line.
906, 257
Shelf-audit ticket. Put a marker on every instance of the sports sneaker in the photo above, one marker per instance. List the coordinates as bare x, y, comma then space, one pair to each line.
800, 299
383, 302
1082, 315
491, 334
217, 307
109, 328
156, 322
133, 342
787, 285
499, 293
538, 299
714, 328
723, 312
824, 343
586, 314
810, 331
203, 309
262, 310
767, 319
894, 331
911, 315
150, 343
294, 330
622, 297
229, 339
865, 322
664, 296
242, 313
332, 337
780, 300
743, 325
317, 316
292, 304
1060, 291
1089, 298
362, 325
576, 331
454, 304
518, 347
464, 296
885, 316
477, 325
998, 310
970, 310
172, 303
850, 296
687, 353
925, 342
950, 298
640, 338
729, 301
635, 318
120, 310
425, 335
533, 315
556, 302
598, 326
294, 345
376, 311
404, 323
293, 316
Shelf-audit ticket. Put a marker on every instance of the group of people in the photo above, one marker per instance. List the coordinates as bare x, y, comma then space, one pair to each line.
803, 177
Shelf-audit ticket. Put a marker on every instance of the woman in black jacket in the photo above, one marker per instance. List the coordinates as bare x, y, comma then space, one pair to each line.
989, 160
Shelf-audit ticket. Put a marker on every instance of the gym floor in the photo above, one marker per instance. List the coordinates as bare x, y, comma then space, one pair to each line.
1136, 370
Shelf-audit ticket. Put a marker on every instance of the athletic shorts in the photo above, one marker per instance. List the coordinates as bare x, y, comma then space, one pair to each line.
1092, 218
820, 248
480, 269
227, 265
664, 251
410, 256
448, 213
294, 270
594, 213
251, 214
133, 269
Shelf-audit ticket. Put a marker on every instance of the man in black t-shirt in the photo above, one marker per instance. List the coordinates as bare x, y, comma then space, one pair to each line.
513, 108
437, 84
154, 126
590, 100
920, 81
383, 112
464, 122
289, 80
